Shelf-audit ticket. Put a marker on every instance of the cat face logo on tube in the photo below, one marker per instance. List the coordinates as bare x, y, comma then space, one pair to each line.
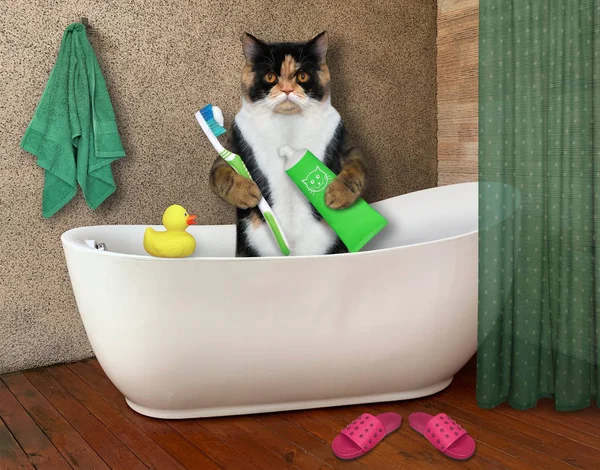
316, 181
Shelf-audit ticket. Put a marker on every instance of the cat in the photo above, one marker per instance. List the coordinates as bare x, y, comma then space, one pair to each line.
286, 101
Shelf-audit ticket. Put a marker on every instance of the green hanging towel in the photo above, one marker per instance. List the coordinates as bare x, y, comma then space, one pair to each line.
73, 131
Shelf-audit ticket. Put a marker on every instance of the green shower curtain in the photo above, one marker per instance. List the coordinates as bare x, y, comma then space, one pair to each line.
539, 203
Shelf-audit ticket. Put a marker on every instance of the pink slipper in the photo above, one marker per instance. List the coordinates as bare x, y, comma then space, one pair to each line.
363, 434
444, 433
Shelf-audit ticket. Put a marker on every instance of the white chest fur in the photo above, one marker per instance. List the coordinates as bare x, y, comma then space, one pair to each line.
266, 134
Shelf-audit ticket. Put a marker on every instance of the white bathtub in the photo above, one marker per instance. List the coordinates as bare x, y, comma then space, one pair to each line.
214, 335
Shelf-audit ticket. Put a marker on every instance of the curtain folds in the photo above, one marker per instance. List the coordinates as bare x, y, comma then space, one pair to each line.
539, 206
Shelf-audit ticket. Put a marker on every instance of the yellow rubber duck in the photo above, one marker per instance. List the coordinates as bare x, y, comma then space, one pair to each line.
175, 242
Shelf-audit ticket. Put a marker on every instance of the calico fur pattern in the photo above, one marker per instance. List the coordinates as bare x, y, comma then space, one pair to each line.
286, 101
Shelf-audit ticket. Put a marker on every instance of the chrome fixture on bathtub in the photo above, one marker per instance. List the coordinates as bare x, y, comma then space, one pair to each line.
96, 246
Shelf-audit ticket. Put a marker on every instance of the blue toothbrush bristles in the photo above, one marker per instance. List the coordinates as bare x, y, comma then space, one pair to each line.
207, 114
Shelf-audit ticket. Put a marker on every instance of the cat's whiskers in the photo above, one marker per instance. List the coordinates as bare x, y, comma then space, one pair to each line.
306, 105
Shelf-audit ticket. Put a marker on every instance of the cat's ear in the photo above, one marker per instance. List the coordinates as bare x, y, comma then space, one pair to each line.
319, 46
252, 47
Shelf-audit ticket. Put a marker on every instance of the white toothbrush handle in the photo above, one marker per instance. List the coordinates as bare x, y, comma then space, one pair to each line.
236, 162
275, 226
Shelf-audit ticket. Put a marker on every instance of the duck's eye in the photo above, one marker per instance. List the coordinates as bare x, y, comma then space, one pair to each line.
185, 214
270, 78
302, 77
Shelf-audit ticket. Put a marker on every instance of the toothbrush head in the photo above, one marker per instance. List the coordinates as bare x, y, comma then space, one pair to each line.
213, 116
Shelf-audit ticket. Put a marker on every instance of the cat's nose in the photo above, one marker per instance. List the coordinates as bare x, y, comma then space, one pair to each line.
287, 89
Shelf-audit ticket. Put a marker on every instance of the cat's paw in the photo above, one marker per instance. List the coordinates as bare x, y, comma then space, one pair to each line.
243, 193
340, 195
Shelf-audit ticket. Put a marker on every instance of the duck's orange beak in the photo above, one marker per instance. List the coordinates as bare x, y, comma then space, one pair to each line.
191, 219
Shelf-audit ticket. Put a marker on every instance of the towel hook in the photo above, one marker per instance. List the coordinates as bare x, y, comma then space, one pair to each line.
85, 22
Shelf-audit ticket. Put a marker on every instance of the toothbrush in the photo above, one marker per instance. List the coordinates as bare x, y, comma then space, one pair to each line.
211, 121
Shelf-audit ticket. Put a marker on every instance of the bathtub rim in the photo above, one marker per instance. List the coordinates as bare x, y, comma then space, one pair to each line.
68, 238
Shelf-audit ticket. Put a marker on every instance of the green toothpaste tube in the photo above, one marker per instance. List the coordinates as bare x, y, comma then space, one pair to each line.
355, 225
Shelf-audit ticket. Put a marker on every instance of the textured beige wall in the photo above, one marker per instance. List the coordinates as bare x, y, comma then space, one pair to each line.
162, 61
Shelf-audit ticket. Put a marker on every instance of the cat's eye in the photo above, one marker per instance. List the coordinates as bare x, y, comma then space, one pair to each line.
318, 176
302, 77
270, 78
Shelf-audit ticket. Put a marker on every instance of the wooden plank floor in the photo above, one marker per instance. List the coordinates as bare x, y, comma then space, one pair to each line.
71, 416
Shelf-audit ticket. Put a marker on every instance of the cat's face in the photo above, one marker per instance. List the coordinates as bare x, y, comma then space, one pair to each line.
316, 180
285, 78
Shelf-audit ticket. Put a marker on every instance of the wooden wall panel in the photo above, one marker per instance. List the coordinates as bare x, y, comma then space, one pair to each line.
457, 57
